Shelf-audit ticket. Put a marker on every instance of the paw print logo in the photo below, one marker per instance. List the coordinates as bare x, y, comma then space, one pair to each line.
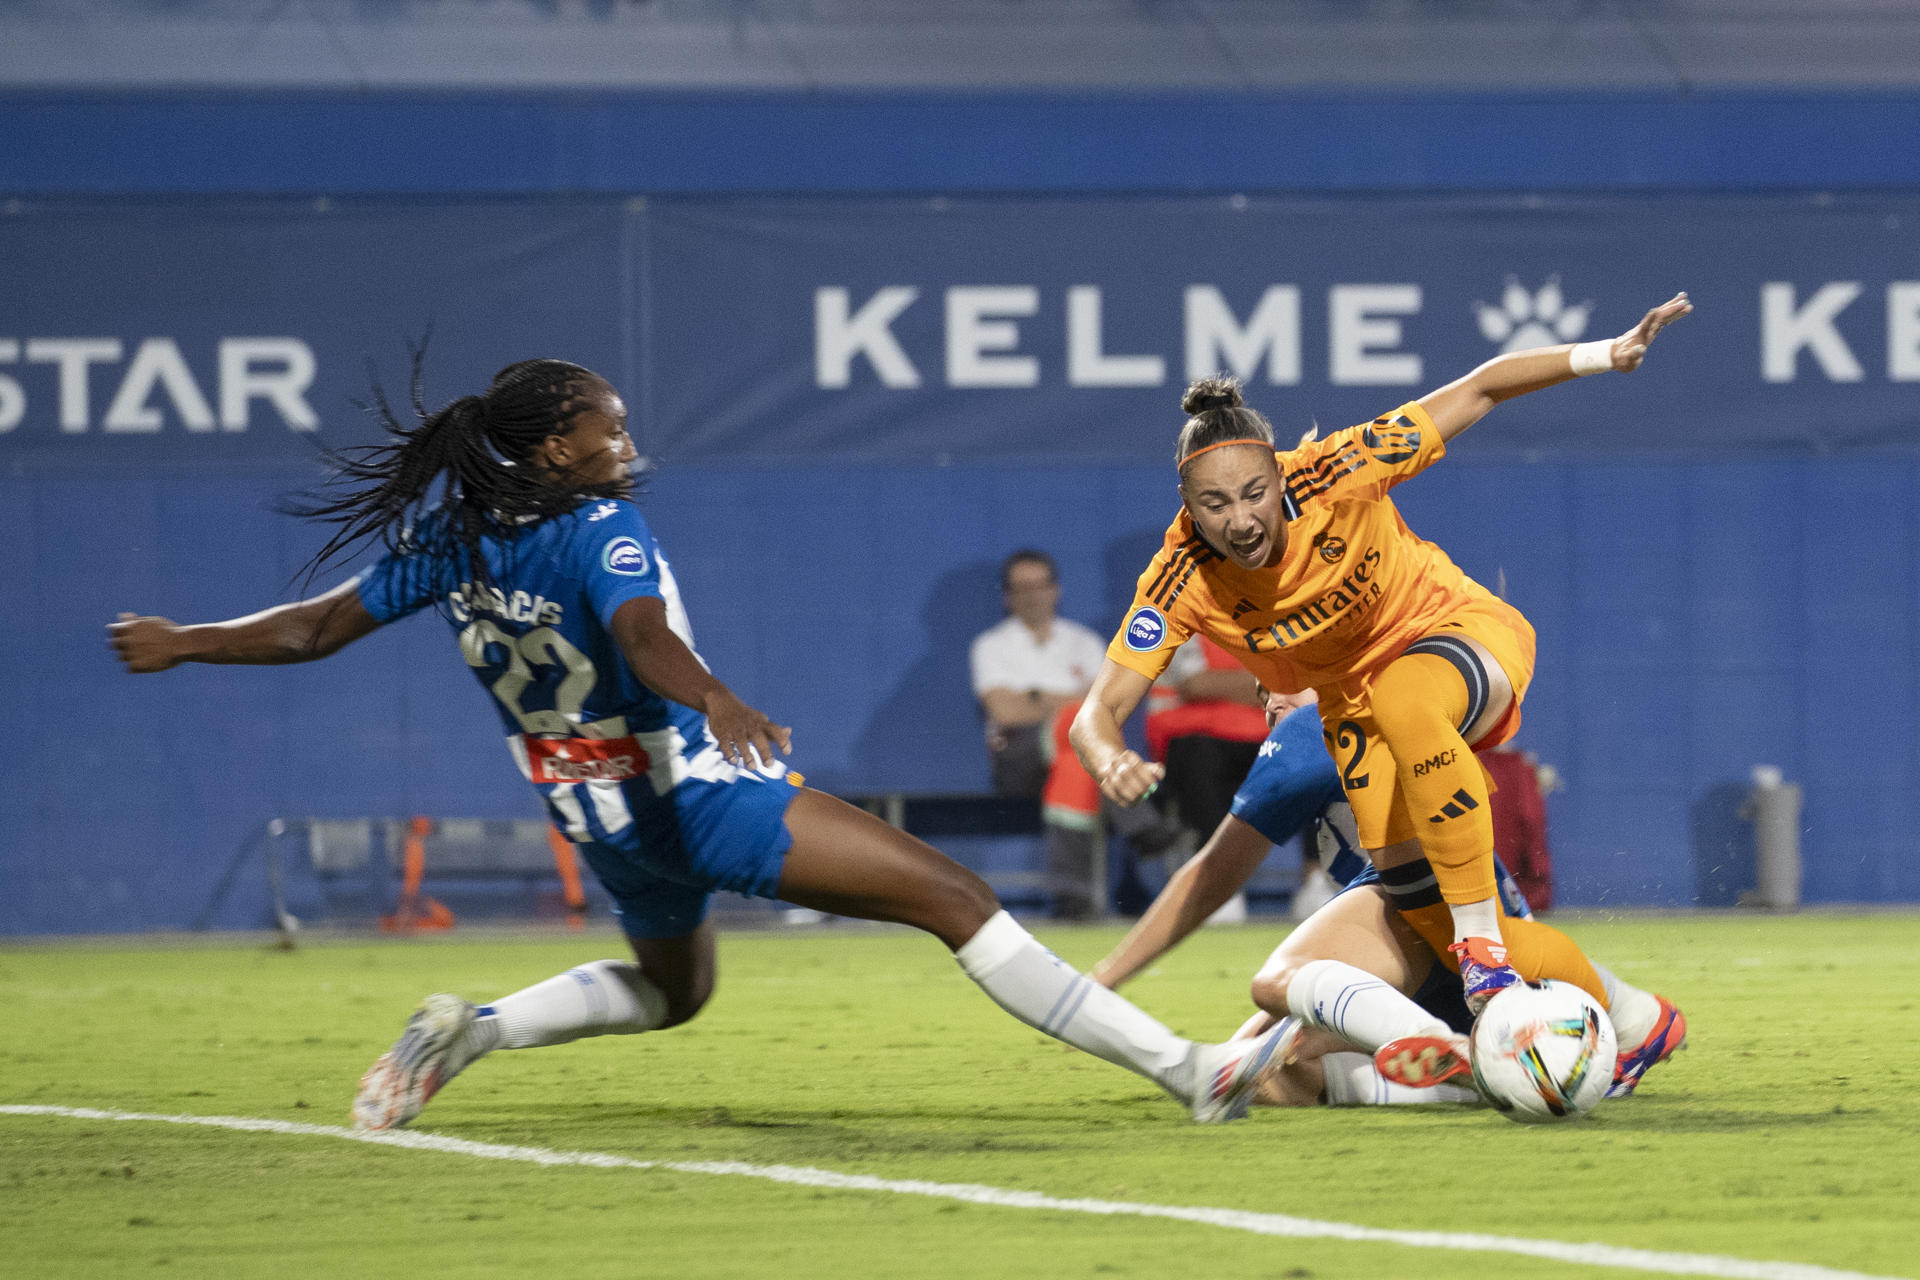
1537, 319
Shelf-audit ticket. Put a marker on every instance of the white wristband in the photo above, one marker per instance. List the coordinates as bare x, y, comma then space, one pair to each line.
1591, 357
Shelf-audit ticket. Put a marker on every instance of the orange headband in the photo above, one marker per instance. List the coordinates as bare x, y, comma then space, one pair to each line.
1221, 444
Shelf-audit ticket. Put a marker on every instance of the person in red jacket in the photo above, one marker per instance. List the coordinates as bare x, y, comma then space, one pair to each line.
1206, 719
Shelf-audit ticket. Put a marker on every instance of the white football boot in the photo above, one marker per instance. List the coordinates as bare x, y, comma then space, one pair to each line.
1225, 1075
431, 1051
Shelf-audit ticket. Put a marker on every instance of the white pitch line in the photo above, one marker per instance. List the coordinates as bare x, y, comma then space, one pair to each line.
1266, 1224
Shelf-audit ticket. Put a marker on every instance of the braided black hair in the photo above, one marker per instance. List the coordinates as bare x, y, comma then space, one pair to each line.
480, 449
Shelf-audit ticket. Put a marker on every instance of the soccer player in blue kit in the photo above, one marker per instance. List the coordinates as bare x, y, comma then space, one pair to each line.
1374, 982
669, 784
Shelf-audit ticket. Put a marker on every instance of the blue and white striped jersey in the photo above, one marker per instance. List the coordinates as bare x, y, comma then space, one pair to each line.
539, 639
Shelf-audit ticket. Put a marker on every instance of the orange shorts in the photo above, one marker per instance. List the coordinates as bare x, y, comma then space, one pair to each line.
1367, 768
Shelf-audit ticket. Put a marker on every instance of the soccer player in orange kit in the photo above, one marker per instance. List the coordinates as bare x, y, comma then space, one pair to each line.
1299, 565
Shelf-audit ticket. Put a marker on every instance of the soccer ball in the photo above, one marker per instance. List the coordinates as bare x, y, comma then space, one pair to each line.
1543, 1052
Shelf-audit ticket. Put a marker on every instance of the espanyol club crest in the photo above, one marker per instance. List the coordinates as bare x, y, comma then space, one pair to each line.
1146, 629
624, 556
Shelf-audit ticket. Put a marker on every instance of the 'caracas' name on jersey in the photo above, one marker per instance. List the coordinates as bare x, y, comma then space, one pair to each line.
539, 637
1353, 586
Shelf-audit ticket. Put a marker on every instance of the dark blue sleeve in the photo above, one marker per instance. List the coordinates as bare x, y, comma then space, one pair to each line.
616, 557
1292, 780
400, 583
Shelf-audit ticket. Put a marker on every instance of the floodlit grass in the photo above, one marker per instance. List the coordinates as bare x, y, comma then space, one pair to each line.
1787, 1132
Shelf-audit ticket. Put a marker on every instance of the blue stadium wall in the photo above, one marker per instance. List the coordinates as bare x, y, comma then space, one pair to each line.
1719, 553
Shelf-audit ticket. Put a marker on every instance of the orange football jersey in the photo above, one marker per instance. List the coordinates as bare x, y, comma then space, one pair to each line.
1353, 586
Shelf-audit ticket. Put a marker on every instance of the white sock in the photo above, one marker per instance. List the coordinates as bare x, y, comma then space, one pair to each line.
1609, 984
1634, 1012
1476, 919
1353, 1081
606, 997
1047, 993
1356, 1006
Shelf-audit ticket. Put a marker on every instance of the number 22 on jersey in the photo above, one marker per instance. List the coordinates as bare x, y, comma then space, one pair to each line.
542, 647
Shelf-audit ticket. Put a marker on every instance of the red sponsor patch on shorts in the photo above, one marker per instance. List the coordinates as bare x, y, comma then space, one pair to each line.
586, 759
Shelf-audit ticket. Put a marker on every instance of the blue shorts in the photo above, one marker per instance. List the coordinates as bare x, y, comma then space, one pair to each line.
716, 835
1292, 779
1290, 789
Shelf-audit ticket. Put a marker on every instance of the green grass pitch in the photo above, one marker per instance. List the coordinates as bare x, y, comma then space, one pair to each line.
1789, 1131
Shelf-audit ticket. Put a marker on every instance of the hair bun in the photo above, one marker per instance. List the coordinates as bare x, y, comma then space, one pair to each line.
1211, 393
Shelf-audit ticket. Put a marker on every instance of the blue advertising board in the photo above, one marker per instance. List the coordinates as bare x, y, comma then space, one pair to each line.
920, 329
236, 331
861, 405
1068, 327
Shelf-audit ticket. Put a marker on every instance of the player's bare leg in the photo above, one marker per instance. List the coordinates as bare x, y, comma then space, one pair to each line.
1321, 1070
1349, 971
846, 861
1317, 1067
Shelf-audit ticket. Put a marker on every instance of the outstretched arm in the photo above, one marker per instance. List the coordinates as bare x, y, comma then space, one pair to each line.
1461, 403
664, 663
1123, 776
1197, 890
297, 632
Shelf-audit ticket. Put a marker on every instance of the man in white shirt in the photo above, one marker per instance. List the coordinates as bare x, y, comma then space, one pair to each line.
1030, 673
1026, 668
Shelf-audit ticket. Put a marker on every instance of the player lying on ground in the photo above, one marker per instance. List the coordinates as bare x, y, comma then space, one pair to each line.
1374, 979
569, 615
1353, 946
1298, 564
1354, 969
